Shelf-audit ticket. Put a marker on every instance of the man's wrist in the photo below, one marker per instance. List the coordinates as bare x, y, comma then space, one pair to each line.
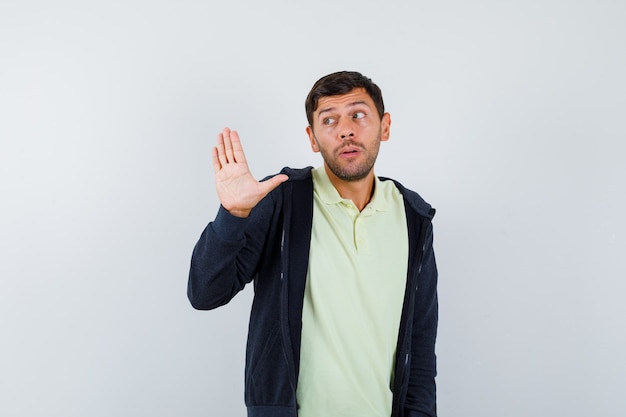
239, 212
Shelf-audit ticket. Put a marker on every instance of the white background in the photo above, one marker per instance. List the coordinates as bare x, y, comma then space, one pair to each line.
508, 116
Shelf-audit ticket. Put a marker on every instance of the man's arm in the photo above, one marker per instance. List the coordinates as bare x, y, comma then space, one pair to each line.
226, 256
228, 251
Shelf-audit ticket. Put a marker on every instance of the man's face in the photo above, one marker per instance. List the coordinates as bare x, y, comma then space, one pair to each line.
347, 131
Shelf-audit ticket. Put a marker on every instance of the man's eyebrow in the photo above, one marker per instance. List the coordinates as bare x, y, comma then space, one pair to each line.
354, 103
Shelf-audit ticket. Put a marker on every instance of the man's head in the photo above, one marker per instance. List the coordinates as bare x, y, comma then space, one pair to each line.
347, 122
340, 83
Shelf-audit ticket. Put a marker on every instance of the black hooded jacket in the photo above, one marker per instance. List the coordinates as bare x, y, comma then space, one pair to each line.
271, 248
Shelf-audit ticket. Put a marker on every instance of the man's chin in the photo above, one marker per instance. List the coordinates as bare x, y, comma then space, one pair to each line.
351, 175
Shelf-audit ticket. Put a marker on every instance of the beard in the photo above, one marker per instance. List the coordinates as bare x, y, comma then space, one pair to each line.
350, 171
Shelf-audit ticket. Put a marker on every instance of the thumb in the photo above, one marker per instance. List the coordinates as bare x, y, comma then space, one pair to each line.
271, 183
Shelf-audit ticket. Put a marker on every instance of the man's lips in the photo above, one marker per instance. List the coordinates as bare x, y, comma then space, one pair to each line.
349, 151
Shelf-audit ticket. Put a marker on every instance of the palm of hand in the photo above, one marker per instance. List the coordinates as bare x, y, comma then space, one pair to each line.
236, 188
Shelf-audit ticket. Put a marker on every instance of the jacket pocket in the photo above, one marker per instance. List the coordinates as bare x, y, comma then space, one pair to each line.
267, 381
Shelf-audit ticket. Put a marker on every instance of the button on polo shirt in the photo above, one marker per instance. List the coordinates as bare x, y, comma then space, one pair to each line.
353, 302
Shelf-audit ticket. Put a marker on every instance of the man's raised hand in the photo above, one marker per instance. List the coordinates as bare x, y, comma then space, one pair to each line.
237, 189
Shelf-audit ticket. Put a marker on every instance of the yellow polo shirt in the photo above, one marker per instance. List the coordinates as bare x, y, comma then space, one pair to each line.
352, 304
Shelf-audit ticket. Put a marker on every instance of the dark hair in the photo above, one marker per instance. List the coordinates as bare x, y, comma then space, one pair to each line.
340, 83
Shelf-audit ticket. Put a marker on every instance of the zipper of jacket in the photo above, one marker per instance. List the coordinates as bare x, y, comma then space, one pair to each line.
400, 389
284, 326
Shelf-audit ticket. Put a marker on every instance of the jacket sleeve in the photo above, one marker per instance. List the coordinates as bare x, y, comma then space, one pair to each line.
227, 255
421, 398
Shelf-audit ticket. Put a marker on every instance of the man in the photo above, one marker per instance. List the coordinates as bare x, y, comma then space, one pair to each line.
344, 317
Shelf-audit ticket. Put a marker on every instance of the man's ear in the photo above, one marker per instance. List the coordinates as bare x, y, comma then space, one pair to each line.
385, 126
309, 132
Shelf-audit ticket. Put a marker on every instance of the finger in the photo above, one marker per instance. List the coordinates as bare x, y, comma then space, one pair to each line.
238, 154
271, 183
217, 165
220, 149
228, 144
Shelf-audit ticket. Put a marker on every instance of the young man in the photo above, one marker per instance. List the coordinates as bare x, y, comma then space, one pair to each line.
344, 317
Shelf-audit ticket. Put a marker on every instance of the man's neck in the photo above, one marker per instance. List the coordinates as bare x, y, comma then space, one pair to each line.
360, 191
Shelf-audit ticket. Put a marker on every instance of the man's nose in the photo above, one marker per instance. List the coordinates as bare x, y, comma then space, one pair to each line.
347, 134
346, 131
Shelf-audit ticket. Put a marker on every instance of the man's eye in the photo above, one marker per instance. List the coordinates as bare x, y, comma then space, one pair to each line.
328, 121
358, 115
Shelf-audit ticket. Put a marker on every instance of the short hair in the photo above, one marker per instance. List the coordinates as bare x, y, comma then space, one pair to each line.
339, 83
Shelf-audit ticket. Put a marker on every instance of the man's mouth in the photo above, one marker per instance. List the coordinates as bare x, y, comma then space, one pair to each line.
349, 151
